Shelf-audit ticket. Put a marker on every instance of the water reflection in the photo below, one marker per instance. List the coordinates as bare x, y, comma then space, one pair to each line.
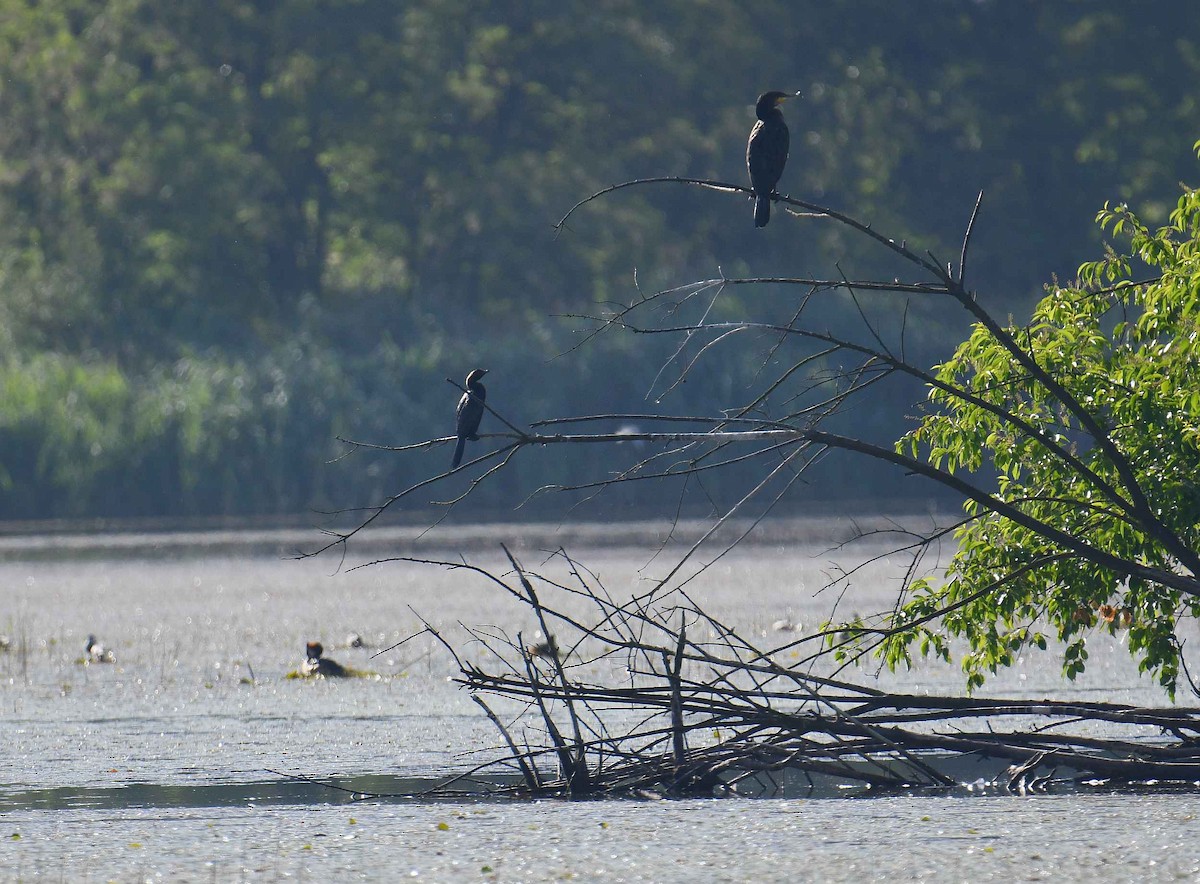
277, 791
204, 629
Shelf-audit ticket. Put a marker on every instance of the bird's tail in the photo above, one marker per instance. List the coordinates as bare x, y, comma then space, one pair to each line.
458, 452
762, 209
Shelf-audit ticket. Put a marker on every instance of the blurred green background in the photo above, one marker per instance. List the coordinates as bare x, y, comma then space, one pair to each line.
235, 230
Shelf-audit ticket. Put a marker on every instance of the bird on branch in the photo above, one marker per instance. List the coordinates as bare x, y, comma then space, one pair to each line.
767, 152
469, 413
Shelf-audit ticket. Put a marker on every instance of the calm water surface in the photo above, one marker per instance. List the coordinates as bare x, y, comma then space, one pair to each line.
171, 763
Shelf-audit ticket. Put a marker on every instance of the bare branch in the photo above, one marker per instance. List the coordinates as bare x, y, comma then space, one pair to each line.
815, 211
966, 244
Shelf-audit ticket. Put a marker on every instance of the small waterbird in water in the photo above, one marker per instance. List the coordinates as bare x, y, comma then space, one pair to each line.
96, 652
316, 664
547, 650
787, 624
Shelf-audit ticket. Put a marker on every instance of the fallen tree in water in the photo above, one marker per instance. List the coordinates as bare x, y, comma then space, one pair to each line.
654, 697
1072, 441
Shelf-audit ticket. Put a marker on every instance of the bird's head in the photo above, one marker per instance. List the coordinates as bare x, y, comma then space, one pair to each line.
314, 650
476, 376
770, 101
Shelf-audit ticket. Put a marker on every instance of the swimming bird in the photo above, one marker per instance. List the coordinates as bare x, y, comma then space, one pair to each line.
315, 664
469, 413
787, 624
547, 650
767, 152
96, 652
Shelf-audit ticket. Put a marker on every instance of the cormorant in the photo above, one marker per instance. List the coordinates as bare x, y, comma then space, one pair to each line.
767, 152
315, 664
469, 413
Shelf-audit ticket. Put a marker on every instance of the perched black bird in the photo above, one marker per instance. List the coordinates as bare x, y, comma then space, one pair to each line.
469, 413
767, 152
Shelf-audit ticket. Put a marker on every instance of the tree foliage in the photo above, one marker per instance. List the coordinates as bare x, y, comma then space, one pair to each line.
212, 182
1107, 456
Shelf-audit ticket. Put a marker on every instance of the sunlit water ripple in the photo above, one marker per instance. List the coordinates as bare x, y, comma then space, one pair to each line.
176, 761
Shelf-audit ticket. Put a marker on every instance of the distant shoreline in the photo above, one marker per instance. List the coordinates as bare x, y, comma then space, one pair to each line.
287, 538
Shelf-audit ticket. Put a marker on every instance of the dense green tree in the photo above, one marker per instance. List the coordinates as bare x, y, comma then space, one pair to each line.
211, 182
1089, 416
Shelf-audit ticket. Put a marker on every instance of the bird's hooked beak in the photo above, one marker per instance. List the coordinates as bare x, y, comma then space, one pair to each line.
781, 99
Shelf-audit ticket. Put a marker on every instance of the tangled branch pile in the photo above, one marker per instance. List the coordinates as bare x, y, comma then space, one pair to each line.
654, 697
